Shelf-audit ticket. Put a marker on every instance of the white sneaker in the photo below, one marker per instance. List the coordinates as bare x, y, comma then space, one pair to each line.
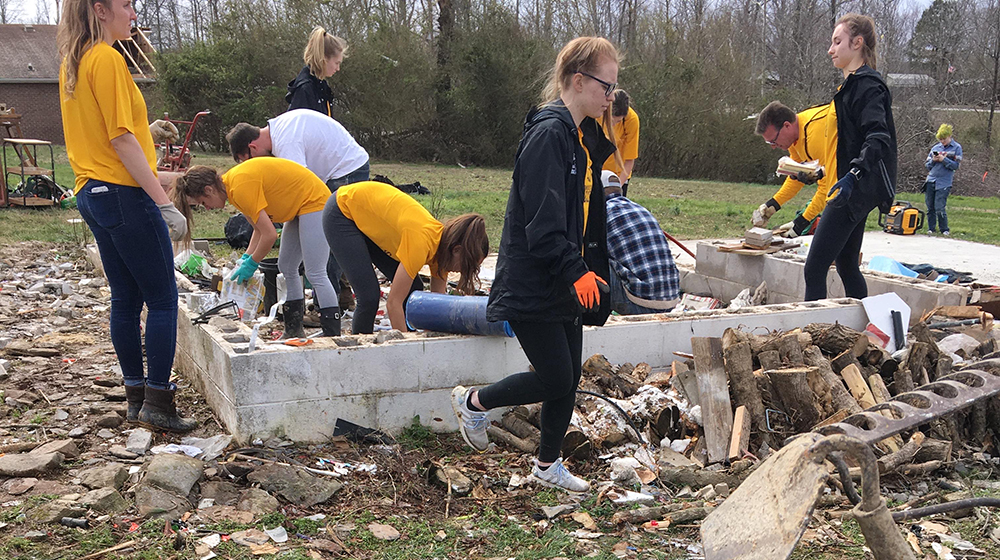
471, 423
556, 476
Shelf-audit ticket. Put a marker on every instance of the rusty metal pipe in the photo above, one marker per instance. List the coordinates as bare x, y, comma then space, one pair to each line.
821, 450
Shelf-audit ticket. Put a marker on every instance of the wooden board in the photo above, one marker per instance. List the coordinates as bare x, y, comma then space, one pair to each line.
742, 249
31, 201
713, 390
740, 440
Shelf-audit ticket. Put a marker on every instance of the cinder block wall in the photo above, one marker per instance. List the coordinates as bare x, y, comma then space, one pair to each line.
38, 105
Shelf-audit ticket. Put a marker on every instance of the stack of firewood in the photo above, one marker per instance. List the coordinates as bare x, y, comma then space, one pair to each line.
741, 395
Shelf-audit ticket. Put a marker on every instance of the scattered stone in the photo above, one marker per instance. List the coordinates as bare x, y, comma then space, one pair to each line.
115, 394
707, 493
67, 447
722, 489
383, 532
104, 500
78, 432
106, 382
250, 537
176, 473
18, 486
236, 338
295, 485
122, 453
139, 441
112, 475
346, 341
685, 492
224, 493
257, 502
110, 420
332, 547
219, 514
36, 536
105, 433
386, 336
27, 464
159, 504
25, 348
554, 511
225, 325
52, 512
59, 415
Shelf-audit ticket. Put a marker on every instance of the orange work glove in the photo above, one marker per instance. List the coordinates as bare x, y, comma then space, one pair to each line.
588, 292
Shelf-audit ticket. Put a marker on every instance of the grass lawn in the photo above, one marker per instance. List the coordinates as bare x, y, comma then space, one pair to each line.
686, 209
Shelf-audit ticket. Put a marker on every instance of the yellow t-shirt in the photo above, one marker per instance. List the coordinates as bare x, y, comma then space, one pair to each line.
282, 188
627, 136
105, 104
817, 141
395, 222
588, 184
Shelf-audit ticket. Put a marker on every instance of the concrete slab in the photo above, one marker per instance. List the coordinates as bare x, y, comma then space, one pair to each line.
301, 392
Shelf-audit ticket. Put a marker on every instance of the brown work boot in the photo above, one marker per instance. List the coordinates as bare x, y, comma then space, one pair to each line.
134, 395
159, 413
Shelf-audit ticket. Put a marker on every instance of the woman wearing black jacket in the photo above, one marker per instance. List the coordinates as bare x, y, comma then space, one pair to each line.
553, 253
866, 160
323, 55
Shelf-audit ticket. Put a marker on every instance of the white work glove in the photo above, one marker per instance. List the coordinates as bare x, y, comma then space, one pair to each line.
787, 230
176, 222
164, 132
763, 213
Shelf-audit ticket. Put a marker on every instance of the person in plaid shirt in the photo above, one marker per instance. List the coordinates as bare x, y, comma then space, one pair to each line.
644, 278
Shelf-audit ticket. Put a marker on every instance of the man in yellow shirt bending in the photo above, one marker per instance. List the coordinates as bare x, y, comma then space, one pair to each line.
808, 136
626, 124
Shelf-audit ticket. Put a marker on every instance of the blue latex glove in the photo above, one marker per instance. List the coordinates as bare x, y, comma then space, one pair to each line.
245, 257
245, 271
842, 191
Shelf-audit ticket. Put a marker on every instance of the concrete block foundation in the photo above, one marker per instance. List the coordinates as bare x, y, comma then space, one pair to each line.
725, 275
299, 393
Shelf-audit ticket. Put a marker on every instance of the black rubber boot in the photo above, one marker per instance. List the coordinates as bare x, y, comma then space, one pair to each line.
159, 413
134, 397
293, 312
329, 319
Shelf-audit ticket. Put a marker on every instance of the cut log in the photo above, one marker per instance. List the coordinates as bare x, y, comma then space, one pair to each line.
842, 400
529, 412
644, 514
881, 394
834, 338
943, 366
834, 418
576, 444
599, 371
904, 455
822, 391
769, 359
789, 350
800, 404
977, 423
903, 381
697, 478
497, 433
933, 450
739, 368
687, 515
686, 382
520, 427
916, 362
843, 360
857, 385
919, 469
923, 334
716, 408
739, 442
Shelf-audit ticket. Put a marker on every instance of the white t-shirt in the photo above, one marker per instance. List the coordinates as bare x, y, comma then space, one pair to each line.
316, 141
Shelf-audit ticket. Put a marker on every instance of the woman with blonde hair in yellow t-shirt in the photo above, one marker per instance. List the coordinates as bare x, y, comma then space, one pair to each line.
373, 223
120, 197
268, 190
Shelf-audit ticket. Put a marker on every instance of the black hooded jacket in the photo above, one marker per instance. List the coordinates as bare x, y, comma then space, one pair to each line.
866, 140
307, 91
540, 247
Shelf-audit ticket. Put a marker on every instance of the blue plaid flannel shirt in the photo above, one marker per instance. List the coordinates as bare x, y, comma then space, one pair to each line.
639, 252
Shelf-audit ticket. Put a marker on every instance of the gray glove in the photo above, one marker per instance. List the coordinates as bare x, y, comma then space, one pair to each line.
176, 222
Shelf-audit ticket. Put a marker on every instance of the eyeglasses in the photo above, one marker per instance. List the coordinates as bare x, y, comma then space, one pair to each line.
608, 87
776, 134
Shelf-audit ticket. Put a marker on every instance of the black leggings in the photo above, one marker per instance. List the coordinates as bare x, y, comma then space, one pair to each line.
356, 253
837, 240
554, 349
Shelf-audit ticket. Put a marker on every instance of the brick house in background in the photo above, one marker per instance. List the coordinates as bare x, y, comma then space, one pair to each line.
29, 79
29, 75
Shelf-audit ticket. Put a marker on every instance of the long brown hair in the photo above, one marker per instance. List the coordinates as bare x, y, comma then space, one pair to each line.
468, 232
192, 185
79, 30
321, 46
583, 54
864, 26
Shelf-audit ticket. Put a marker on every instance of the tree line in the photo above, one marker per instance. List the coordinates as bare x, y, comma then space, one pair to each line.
451, 80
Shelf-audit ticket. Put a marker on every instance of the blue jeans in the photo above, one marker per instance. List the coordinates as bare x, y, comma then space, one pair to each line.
620, 302
937, 213
139, 263
333, 270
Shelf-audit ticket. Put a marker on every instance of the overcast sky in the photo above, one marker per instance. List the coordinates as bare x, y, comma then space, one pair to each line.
43, 11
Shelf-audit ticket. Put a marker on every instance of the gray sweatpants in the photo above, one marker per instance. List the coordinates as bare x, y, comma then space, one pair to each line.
302, 241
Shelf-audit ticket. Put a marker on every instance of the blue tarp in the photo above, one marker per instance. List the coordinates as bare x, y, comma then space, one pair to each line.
885, 264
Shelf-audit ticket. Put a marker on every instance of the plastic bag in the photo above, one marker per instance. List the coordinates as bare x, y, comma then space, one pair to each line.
247, 296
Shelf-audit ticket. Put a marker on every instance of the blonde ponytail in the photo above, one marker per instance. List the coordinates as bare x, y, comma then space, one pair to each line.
79, 30
321, 46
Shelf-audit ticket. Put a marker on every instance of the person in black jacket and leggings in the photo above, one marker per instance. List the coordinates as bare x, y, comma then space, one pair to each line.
553, 253
323, 54
866, 160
